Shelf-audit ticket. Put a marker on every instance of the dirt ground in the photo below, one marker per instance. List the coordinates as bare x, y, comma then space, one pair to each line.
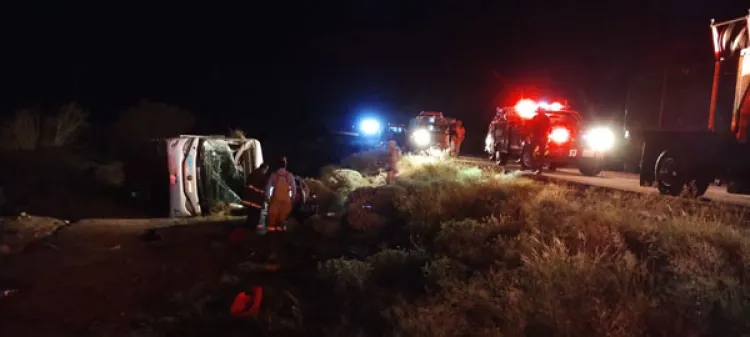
93, 277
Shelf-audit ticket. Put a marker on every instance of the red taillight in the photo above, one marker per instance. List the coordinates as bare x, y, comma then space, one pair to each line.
172, 179
559, 135
526, 108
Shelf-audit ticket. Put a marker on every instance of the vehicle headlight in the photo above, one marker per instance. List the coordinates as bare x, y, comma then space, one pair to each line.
600, 139
421, 137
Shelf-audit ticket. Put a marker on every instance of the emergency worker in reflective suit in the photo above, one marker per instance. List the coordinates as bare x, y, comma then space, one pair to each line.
281, 191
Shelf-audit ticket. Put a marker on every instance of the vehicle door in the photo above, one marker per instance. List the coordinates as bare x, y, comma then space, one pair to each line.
248, 154
182, 153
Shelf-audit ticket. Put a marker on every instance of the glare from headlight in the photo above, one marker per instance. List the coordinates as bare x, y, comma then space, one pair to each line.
369, 126
421, 137
600, 139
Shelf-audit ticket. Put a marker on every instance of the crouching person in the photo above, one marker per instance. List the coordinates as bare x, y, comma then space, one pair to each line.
281, 191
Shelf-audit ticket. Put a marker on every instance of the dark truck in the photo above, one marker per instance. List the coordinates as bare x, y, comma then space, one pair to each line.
687, 162
571, 143
429, 133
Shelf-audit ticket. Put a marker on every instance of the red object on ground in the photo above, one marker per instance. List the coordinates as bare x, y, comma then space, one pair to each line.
237, 236
245, 305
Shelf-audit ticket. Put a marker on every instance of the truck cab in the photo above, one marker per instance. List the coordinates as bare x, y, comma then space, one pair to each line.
569, 142
430, 132
687, 162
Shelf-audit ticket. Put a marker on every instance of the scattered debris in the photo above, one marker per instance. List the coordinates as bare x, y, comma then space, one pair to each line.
238, 236
150, 236
249, 266
230, 279
7, 292
245, 305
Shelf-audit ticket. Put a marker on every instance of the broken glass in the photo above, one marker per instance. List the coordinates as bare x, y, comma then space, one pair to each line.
223, 176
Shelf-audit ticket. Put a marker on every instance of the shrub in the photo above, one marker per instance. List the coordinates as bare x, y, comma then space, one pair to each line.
28, 130
368, 162
512, 257
23, 131
370, 209
346, 274
343, 181
482, 254
67, 124
327, 199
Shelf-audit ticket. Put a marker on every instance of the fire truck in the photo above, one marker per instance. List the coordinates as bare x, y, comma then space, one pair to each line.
508, 138
687, 162
430, 133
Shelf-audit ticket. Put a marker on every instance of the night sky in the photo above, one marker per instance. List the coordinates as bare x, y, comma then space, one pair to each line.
303, 63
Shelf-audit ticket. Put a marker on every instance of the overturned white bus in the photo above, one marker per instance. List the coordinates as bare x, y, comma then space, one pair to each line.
202, 173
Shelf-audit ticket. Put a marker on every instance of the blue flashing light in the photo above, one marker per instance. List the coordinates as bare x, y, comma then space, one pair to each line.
369, 127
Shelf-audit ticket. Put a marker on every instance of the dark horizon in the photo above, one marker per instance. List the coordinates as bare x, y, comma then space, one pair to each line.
325, 64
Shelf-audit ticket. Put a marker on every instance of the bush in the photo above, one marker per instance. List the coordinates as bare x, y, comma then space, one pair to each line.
67, 124
23, 131
368, 162
344, 181
370, 209
481, 254
28, 130
510, 257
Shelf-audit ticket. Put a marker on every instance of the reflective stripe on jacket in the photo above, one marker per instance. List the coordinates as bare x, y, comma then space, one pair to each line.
287, 179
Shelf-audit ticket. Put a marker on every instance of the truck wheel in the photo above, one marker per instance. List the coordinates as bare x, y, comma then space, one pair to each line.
672, 180
669, 179
552, 167
590, 168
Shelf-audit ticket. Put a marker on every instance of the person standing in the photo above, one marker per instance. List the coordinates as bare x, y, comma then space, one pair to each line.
460, 134
281, 191
394, 156
540, 129
255, 196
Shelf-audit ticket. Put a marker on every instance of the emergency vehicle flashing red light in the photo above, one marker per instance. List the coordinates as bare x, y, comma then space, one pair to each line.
554, 106
527, 108
559, 135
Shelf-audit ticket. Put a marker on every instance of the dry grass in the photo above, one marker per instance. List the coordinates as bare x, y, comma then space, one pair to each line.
492, 256
453, 250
